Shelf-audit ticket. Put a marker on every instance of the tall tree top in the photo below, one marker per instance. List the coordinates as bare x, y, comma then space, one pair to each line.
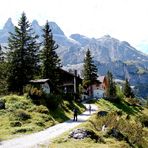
90, 70
23, 56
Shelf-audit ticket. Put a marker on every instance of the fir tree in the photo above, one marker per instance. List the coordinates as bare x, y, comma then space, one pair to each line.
22, 56
1, 54
50, 59
127, 90
90, 70
3, 72
111, 89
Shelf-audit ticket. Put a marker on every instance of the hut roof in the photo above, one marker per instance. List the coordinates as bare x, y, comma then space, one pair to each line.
39, 81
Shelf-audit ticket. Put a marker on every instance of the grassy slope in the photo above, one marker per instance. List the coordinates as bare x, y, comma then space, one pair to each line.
95, 123
21, 116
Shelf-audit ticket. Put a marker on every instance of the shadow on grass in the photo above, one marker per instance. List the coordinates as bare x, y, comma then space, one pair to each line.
59, 115
125, 107
91, 101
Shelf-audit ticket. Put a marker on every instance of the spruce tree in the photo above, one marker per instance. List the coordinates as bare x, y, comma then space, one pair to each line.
1, 54
22, 56
127, 90
50, 59
90, 70
3, 72
111, 89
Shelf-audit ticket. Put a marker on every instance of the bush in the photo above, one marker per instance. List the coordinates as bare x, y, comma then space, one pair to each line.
42, 109
22, 115
68, 96
36, 95
119, 113
133, 101
114, 99
144, 120
22, 130
15, 123
53, 101
40, 123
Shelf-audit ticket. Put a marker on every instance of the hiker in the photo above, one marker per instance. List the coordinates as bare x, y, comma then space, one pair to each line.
75, 113
89, 108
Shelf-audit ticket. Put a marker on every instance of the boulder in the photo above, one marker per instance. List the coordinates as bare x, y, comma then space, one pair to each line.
84, 133
102, 113
2, 105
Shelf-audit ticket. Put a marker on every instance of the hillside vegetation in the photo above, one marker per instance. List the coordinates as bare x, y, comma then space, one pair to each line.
22, 116
127, 126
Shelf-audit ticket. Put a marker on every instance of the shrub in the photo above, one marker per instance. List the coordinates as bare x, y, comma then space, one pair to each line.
68, 96
42, 109
22, 115
114, 99
45, 117
22, 130
15, 123
128, 117
40, 123
36, 95
144, 120
53, 101
133, 101
119, 113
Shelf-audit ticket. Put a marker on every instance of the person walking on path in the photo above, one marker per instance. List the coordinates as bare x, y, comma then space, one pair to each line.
89, 108
43, 137
75, 113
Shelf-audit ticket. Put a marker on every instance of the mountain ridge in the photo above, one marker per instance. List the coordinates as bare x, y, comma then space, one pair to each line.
108, 53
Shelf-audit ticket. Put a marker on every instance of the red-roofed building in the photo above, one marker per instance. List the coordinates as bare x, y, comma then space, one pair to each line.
99, 87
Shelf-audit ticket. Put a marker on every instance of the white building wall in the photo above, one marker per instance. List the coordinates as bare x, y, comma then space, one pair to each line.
98, 93
46, 88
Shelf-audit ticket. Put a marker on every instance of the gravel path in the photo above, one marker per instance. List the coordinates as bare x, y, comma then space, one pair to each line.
45, 136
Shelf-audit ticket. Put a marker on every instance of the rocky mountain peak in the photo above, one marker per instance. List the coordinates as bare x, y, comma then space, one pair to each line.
8, 25
36, 27
56, 29
83, 40
35, 23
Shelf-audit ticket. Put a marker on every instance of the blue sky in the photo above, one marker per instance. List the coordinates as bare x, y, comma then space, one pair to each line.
123, 19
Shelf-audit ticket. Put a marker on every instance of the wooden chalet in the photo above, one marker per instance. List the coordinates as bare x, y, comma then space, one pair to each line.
69, 82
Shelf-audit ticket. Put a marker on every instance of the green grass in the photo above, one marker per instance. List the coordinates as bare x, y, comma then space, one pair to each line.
21, 116
88, 143
130, 128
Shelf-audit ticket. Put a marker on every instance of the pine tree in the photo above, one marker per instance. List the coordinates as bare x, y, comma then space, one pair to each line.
90, 70
127, 90
50, 59
1, 54
111, 89
3, 72
22, 56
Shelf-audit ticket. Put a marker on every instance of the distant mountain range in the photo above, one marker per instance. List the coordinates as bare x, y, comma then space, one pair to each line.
123, 60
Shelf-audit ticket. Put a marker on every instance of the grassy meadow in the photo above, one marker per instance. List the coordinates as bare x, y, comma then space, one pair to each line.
128, 119
21, 116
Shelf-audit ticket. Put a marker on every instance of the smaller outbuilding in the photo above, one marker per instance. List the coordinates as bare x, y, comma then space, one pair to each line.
43, 84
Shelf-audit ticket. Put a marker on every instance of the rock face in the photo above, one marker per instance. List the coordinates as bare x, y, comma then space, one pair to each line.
110, 54
4, 33
83, 133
